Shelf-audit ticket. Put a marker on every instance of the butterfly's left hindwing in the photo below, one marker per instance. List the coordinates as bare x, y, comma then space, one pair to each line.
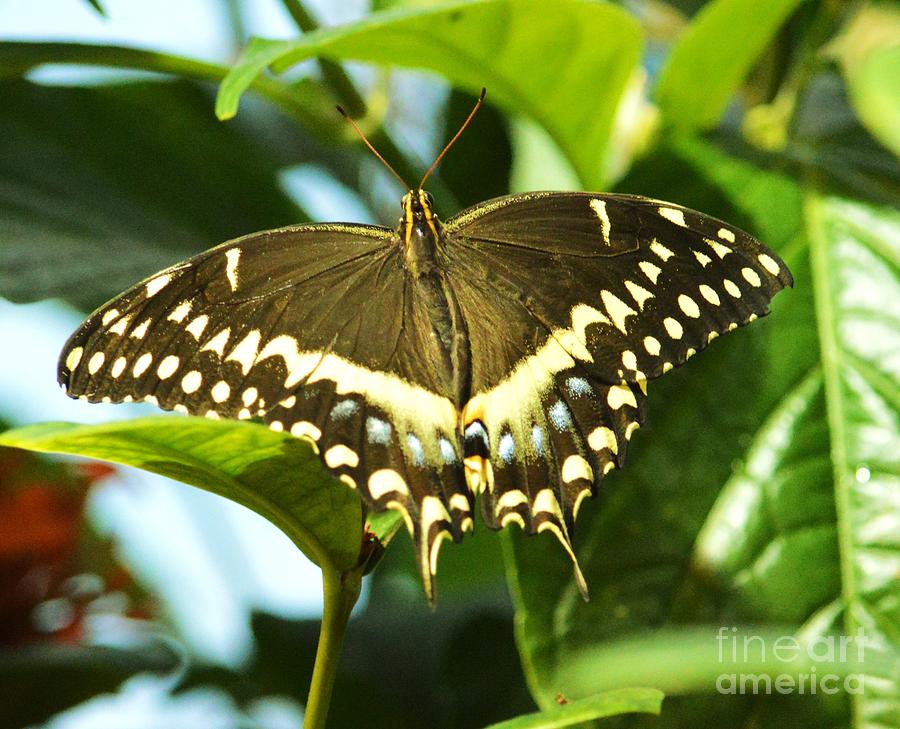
316, 331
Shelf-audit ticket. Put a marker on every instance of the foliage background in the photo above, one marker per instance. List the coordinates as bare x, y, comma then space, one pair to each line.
765, 489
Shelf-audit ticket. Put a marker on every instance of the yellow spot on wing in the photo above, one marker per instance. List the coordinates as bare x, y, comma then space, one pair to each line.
639, 293
341, 455
620, 395
96, 362
143, 362
650, 270
385, 481
217, 343
73, 358
232, 256
769, 264
673, 327
721, 251
511, 499
603, 437
709, 294
179, 313
751, 277
703, 259
673, 215
660, 250
221, 391
197, 326
305, 429
618, 310
168, 367
545, 500
154, 286
191, 382
726, 234
689, 306
599, 207
139, 331
245, 352
575, 467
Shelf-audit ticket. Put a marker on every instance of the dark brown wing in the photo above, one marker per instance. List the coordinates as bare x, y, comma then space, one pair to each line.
314, 329
573, 301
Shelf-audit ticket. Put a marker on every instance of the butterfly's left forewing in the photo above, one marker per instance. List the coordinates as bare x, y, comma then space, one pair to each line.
312, 329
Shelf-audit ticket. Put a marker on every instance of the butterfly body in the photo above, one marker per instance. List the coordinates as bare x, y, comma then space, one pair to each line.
504, 353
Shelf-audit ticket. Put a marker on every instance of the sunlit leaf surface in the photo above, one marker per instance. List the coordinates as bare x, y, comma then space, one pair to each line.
542, 58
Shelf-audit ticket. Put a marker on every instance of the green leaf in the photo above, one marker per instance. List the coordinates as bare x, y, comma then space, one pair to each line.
137, 175
276, 475
868, 51
744, 499
512, 47
711, 59
300, 101
611, 703
855, 252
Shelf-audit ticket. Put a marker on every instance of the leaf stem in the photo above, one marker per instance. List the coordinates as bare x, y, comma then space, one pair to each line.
341, 594
333, 73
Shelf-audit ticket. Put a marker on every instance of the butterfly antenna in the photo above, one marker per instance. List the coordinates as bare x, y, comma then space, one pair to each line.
438, 159
369, 145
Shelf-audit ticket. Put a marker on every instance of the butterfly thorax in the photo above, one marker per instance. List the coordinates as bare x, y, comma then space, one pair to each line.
423, 238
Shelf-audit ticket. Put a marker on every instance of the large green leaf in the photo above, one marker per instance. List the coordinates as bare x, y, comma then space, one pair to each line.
136, 176
713, 56
564, 63
855, 252
728, 511
274, 474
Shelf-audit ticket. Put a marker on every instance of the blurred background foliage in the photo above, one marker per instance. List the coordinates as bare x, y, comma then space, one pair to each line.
764, 490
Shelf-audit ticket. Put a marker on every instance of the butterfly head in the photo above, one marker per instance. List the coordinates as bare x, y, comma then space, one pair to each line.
418, 214
420, 229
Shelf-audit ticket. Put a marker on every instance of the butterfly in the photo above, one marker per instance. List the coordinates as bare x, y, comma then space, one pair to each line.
503, 353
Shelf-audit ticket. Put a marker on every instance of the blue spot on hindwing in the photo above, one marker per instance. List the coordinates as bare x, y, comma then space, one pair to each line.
560, 416
378, 431
344, 409
507, 448
447, 451
537, 438
578, 386
415, 449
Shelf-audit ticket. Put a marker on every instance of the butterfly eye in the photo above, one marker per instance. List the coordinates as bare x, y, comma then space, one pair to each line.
429, 201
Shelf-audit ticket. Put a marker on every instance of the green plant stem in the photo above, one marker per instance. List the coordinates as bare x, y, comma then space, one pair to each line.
343, 88
333, 73
341, 594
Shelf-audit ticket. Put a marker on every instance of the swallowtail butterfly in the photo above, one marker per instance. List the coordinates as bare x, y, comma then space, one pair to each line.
504, 352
